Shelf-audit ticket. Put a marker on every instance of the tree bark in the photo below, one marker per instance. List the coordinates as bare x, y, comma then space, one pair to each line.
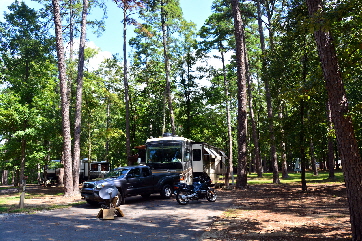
167, 66
256, 151
4, 177
330, 144
78, 105
125, 82
66, 155
282, 145
347, 143
22, 160
241, 96
273, 154
313, 159
229, 165
302, 147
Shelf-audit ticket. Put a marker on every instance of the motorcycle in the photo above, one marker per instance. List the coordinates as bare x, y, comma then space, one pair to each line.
201, 188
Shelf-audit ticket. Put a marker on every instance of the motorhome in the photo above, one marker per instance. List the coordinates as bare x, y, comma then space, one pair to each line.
171, 153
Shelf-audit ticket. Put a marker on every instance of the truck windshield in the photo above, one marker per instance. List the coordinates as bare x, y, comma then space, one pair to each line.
119, 172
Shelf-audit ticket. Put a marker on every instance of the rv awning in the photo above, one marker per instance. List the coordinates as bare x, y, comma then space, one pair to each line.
223, 154
210, 152
217, 156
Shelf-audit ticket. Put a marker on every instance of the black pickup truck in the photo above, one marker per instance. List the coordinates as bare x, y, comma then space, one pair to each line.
131, 181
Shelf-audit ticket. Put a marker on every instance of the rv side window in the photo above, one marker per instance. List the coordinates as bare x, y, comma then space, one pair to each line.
94, 167
105, 167
196, 155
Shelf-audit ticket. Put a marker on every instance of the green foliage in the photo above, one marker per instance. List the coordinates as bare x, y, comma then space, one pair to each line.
27, 97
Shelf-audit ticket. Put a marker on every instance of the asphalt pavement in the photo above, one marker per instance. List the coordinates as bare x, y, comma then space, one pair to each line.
144, 219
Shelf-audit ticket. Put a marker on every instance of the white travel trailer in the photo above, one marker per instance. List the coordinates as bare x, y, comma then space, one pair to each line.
87, 170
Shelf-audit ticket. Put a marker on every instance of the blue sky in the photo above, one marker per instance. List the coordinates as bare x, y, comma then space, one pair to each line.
194, 10
111, 40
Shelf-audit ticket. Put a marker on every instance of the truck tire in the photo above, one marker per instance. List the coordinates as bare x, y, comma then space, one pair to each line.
166, 191
121, 200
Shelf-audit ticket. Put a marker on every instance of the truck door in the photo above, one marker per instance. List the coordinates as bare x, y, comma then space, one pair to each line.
147, 180
133, 181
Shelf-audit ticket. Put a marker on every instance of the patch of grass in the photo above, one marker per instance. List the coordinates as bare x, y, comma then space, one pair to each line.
4, 188
13, 209
230, 213
16, 209
9, 203
30, 196
322, 177
3, 209
3, 200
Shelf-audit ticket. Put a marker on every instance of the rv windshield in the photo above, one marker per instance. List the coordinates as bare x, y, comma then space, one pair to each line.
164, 152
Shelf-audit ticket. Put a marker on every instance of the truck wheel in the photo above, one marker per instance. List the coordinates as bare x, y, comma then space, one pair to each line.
166, 191
121, 200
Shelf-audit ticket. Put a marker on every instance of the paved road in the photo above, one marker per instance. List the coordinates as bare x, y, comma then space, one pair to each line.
152, 219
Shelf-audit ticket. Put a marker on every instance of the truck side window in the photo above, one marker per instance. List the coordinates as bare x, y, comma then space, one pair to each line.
146, 172
134, 173
137, 172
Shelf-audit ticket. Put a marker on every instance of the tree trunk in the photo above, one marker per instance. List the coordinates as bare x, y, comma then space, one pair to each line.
22, 160
167, 66
256, 151
229, 164
313, 160
282, 146
242, 96
4, 177
347, 143
78, 105
302, 147
273, 154
125, 82
330, 144
66, 155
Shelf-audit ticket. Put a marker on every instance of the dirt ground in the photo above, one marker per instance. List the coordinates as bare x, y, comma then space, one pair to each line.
283, 212
261, 212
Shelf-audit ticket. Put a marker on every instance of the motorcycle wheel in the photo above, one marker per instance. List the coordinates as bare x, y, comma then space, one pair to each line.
211, 195
181, 199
